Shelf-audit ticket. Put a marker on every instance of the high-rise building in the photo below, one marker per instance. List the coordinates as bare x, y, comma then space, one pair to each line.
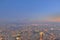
41, 35
18, 37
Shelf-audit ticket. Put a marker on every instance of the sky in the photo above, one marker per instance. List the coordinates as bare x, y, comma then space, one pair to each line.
29, 11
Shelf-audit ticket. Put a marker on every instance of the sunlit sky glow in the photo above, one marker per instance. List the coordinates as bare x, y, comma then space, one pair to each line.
29, 10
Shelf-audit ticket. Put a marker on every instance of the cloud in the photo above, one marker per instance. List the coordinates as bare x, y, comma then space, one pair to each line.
3, 20
54, 19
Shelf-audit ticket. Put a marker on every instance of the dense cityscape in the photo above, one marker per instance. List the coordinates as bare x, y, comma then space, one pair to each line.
29, 19
29, 31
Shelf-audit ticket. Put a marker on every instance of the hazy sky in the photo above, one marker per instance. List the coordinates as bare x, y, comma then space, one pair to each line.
29, 10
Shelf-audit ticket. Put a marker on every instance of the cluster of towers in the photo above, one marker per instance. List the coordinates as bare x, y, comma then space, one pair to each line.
50, 37
42, 35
